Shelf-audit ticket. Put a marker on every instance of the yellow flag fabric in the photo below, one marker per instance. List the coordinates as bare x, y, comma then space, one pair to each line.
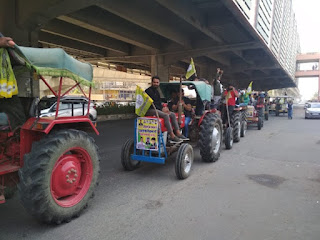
8, 83
249, 89
191, 70
143, 102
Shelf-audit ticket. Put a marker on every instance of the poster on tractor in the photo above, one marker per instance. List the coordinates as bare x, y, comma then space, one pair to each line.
147, 134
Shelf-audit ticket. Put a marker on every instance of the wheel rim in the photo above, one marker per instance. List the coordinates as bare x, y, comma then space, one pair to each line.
71, 177
216, 139
187, 162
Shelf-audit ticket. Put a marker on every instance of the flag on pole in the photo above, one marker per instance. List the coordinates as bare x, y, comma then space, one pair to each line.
143, 102
249, 89
191, 70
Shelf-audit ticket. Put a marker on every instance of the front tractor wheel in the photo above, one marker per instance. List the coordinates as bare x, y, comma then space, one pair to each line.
210, 137
184, 161
126, 161
236, 125
260, 123
59, 176
229, 138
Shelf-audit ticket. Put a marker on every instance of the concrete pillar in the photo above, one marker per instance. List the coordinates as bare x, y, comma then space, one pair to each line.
159, 68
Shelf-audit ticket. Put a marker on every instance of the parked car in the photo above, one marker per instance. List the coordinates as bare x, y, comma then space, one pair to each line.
312, 110
69, 106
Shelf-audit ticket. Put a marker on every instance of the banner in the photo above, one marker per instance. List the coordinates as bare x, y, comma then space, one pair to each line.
191, 70
143, 102
147, 134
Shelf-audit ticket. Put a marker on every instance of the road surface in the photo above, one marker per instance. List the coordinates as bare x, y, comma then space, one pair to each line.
266, 187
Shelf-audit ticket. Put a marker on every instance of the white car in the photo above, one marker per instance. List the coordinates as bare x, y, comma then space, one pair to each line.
69, 106
312, 110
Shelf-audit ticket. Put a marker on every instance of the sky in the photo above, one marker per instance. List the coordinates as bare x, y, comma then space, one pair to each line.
308, 22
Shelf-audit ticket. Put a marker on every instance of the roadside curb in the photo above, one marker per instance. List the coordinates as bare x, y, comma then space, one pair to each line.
102, 118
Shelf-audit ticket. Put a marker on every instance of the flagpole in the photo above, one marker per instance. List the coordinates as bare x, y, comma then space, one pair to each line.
180, 104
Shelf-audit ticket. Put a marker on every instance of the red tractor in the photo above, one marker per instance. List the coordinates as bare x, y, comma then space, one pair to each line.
52, 161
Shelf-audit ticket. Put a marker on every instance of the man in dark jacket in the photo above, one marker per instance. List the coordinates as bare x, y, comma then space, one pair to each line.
163, 112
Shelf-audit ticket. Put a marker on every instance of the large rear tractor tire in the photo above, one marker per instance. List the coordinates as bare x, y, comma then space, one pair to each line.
229, 138
184, 161
126, 161
210, 137
236, 125
59, 176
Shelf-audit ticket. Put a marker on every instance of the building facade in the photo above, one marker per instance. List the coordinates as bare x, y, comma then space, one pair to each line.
275, 21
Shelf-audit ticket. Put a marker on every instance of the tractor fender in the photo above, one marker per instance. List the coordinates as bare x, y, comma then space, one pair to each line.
204, 114
36, 128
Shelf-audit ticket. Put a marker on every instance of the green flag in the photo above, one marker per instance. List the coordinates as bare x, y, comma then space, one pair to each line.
143, 102
191, 70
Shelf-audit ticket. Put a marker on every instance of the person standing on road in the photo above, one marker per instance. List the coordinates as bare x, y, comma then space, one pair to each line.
290, 109
164, 112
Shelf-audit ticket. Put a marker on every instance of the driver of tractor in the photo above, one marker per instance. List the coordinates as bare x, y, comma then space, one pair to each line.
230, 95
11, 113
187, 109
164, 112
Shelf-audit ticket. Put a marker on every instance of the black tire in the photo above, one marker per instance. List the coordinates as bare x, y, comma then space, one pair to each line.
184, 161
228, 138
244, 126
210, 137
36, 185
126, 161
260, 124
236, 125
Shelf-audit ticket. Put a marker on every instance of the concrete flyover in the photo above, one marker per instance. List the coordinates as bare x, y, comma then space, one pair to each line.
155, 35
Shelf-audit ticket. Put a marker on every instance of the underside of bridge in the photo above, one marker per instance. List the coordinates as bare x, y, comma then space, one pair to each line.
159, 36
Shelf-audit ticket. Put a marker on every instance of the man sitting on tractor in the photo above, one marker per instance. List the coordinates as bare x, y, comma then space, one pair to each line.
187, 108
163, 112
244, 98
230, 94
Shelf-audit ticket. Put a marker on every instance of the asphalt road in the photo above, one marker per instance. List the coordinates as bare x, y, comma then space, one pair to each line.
266, 187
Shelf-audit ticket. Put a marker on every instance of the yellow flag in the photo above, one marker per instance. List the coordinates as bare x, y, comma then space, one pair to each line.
191, 70
8, 83
249, 89
143, 102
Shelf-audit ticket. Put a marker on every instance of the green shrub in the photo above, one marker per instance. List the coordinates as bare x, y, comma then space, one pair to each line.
115, 109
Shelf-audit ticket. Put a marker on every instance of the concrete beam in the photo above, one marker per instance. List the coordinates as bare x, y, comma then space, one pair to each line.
134, 11
65, 42
33, 14
172, 57
219, 58
189, 13
102, 22
70, 31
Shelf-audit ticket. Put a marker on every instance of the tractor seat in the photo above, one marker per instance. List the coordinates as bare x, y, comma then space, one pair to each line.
163, 127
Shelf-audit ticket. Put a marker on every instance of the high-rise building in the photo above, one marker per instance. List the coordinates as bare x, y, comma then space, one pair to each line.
275, 21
